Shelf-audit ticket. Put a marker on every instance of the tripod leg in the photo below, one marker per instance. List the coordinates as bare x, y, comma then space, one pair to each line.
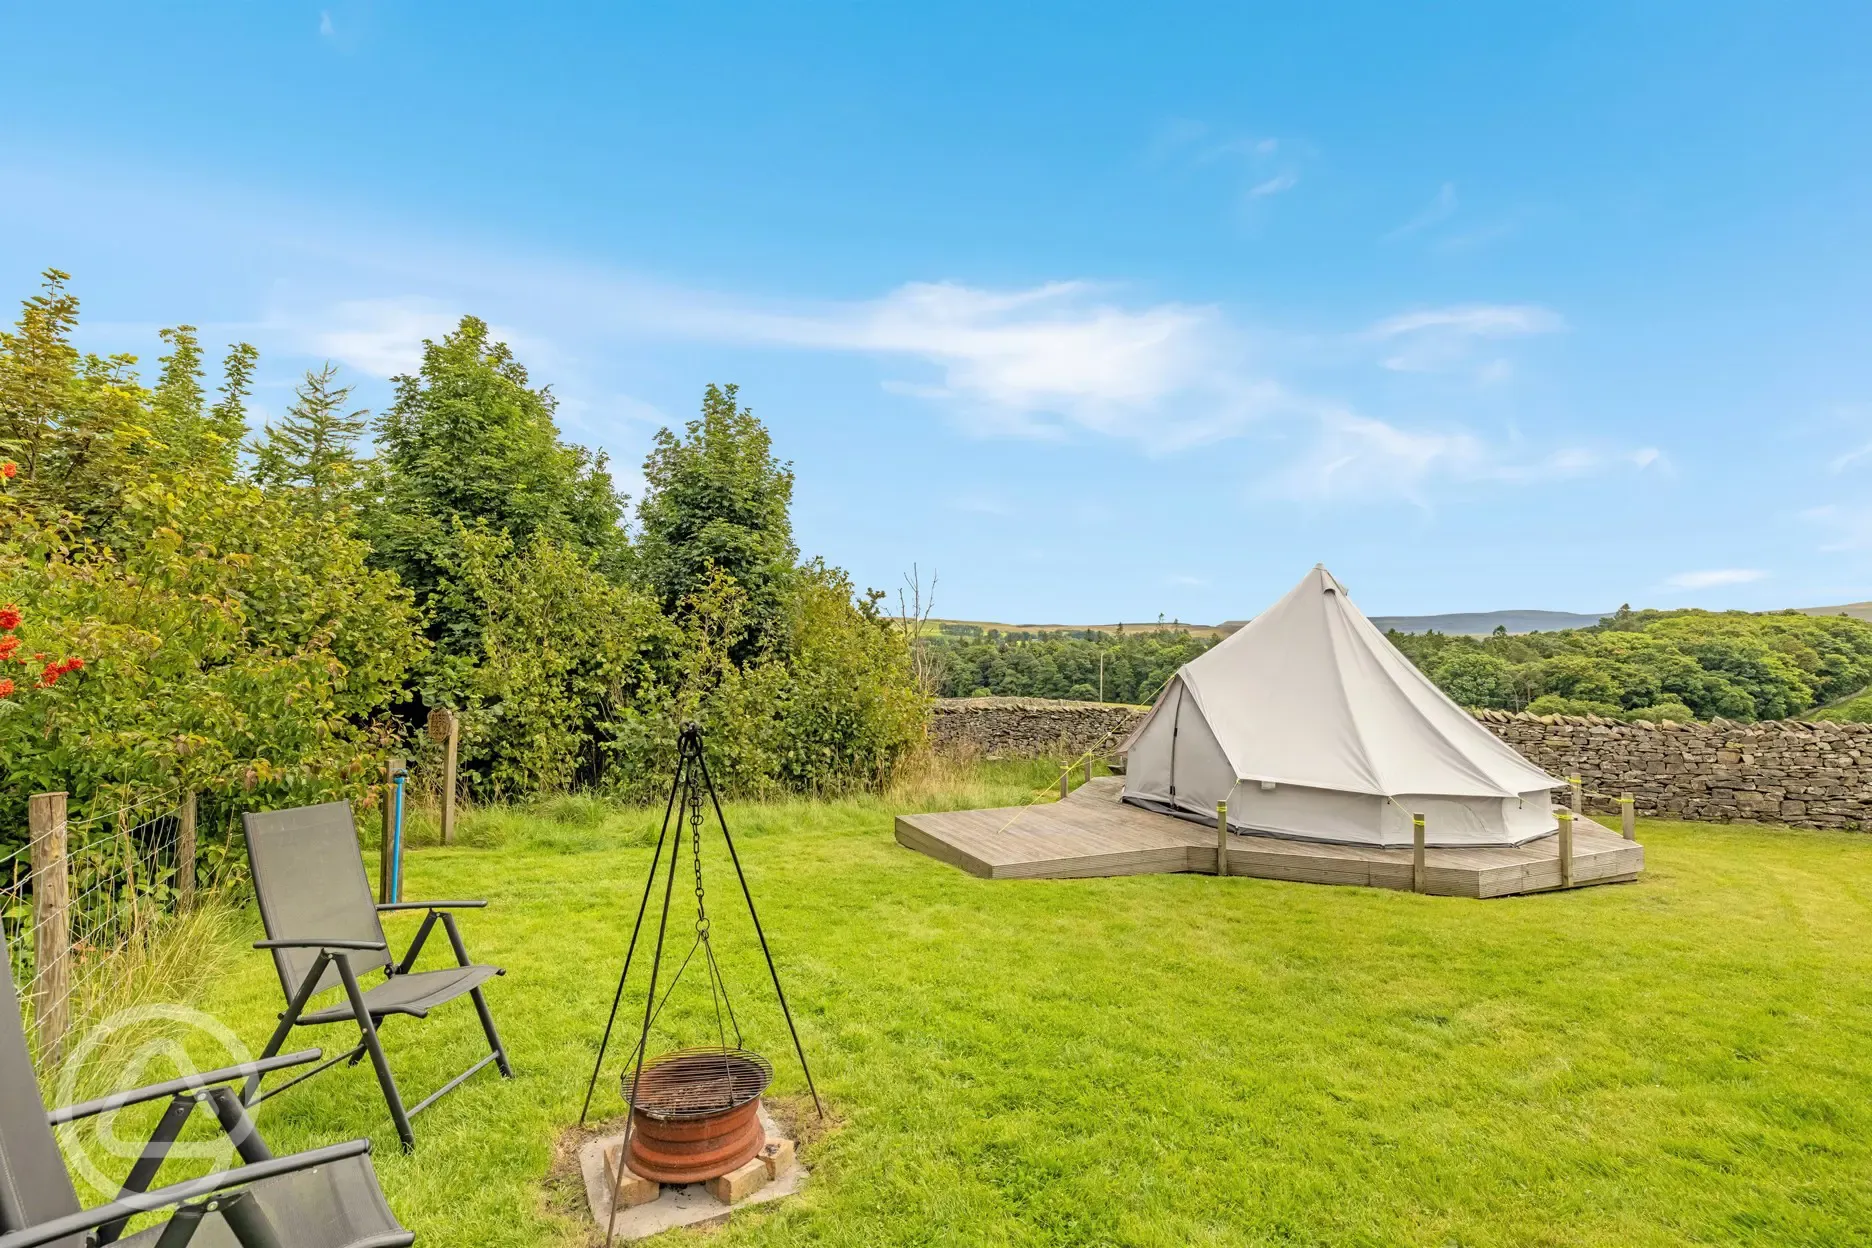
630, 951
656, 965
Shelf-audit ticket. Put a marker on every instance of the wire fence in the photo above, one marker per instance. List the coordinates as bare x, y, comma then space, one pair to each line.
81, 892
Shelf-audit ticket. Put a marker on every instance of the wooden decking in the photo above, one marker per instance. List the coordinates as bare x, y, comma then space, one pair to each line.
1093, 833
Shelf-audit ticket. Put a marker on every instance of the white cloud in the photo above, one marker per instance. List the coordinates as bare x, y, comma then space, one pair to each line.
1274, 185
1432, 340
1839, 463
1712, 578
1358, 458
384, 337
1048, 363
1193, 145
1437, 210
1031, 363
381, 337
1184, 580
1849, 527
325, 24
1481, 320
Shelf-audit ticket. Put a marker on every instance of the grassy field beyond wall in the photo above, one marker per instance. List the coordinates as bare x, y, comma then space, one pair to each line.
1167, 1060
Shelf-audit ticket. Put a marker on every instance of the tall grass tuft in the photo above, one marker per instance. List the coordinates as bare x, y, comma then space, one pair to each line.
171, 961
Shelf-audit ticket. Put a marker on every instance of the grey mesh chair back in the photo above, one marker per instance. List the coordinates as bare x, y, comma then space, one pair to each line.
323, 932
34, 1187
311, 885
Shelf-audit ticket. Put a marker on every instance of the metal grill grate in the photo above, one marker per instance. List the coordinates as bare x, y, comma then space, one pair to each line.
698, 1082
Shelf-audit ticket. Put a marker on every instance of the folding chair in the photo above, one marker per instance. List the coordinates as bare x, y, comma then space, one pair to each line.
326, 1198
323, 930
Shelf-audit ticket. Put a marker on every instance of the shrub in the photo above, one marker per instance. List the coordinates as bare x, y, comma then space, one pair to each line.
1852, 711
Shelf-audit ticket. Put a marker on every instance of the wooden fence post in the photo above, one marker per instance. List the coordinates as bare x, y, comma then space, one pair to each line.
445, 726
1575, 798
1222, 848
185, 854
1417, 853
1088, 769
1628, 816
384, 848
448, 778
51, 920
1566, 849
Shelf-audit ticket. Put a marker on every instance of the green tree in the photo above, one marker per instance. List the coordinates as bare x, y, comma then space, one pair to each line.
313, 450
567, 657
1476, 678
71, 420
177, 399
188, 436
716, 499
228, 643
470, 439
227, 419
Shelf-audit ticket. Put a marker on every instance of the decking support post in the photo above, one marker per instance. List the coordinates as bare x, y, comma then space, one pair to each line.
45, 813
1575, 797
1566, 849
1065, 783
1222, 838
185, 853
1417, 853
1628, 816
1088, 769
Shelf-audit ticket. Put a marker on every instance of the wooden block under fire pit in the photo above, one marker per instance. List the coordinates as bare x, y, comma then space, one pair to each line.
737, 1185
635, 1189
777, 1154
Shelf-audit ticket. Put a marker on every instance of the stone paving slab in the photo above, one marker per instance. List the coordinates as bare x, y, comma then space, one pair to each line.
686, 1205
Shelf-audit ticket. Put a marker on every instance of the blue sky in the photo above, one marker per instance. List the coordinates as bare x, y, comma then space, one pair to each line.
1099, 311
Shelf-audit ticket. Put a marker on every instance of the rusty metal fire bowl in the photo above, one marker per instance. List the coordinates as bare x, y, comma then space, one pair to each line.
695, 1113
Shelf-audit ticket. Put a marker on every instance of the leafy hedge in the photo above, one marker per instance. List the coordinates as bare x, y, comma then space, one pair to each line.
263, 621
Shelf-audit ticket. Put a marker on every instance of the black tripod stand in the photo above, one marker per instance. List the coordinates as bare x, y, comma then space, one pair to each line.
685, 799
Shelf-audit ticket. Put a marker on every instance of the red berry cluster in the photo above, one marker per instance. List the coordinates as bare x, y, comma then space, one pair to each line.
10, 618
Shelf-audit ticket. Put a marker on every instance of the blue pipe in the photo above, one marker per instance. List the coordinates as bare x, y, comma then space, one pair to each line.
396, 844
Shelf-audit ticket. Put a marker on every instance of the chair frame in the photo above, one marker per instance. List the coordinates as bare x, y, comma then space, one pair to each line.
195, 1198
335, 953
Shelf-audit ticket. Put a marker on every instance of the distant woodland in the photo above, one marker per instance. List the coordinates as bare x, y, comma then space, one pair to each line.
1680, 665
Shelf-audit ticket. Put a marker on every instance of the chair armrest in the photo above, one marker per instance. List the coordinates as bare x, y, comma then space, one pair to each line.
432, 905
174, 1087
178, 1193
320, 944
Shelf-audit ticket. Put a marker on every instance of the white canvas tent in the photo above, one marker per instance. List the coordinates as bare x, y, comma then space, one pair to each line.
1310, 724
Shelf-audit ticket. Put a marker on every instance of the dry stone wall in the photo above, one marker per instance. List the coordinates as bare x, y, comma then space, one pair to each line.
1811, 775
1030, 727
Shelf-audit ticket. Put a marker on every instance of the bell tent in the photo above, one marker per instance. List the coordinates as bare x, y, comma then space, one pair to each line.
1311, 725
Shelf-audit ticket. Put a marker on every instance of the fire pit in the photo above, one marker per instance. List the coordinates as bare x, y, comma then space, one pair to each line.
695, 1113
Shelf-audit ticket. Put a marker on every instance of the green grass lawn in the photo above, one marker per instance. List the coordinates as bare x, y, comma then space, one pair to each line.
1170, 1060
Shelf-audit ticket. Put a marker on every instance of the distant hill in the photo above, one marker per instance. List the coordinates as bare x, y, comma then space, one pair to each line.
1858, 610
1457, 623
1482, 623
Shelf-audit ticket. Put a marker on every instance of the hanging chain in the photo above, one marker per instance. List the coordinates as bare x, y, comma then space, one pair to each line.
695, 855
